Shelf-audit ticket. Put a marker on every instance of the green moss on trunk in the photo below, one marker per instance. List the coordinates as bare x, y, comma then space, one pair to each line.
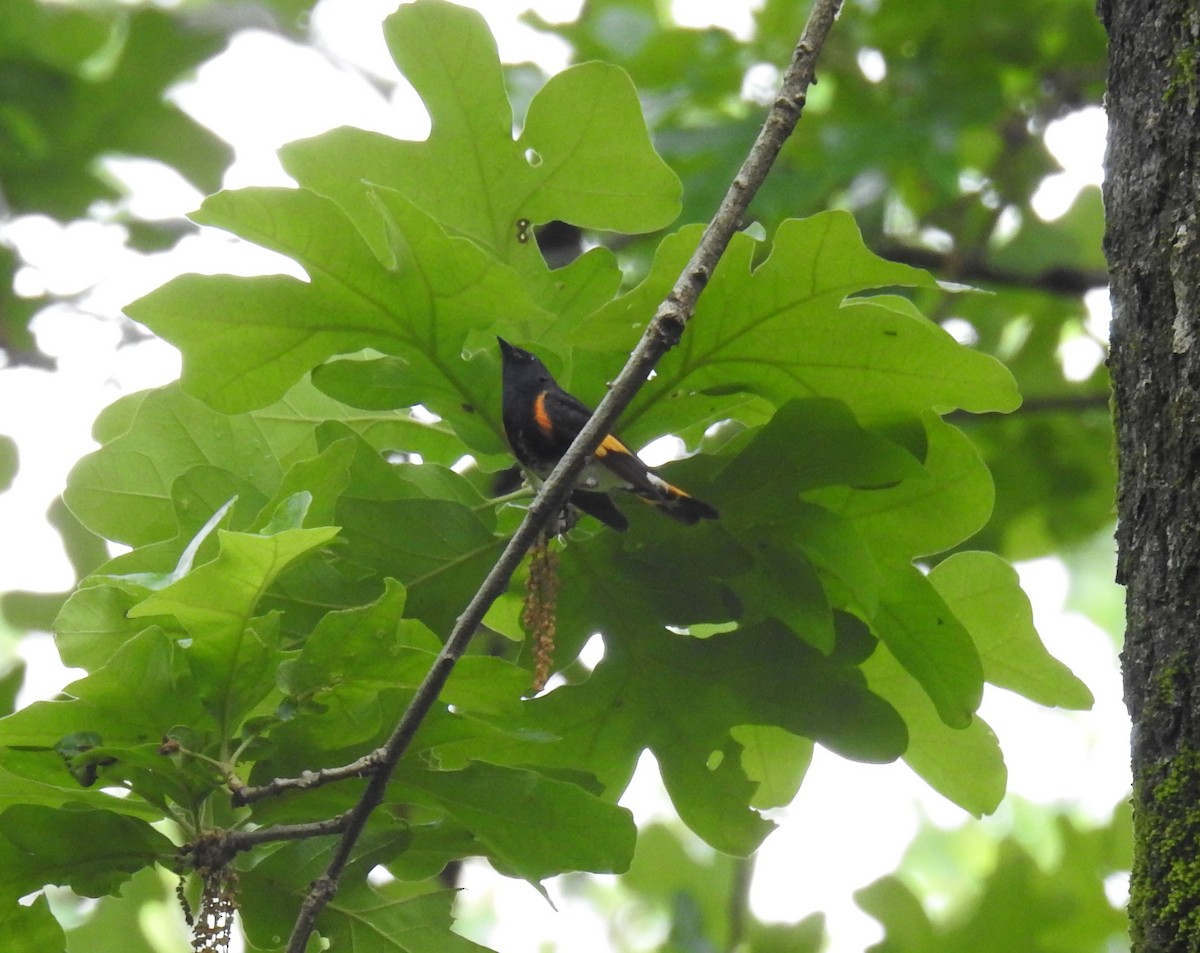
1164, 894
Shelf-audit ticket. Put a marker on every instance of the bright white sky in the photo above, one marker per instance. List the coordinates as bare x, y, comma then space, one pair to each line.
263, 92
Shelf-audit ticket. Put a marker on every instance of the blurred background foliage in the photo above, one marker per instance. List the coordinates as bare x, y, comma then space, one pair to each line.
928, 124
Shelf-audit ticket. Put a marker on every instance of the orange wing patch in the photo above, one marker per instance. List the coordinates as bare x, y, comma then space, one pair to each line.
611, 444
540, 417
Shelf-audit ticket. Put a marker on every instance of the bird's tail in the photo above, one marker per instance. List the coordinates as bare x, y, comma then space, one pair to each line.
649, 486
674, 502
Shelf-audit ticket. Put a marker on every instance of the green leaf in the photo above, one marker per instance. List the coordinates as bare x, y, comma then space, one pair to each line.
360, 652
440, 548
103, 702
129, 726
776, 759
806, 559
533, 826
86, 84
123, 491
890, 902
355, 672
129, 490
806, 445
350, 658
681, 698
31, 929
841, 556
215, 601
571, 127
565, 165
8, 461
785, 586
806, 936
1054, 472
1067, 242
659, 54
984, 593
92, 852
12, 677
93, 623
1062, 902
920, 517
931, 643
964, 764
146, 910
246, 341
797, 325
84, 549
668, 873
39, 777
233, 660
27, 611
392, 918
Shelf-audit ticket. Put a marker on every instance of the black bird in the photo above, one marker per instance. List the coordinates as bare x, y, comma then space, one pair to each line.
541, 420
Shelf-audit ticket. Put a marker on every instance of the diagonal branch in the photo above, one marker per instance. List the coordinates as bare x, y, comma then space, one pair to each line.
662, 333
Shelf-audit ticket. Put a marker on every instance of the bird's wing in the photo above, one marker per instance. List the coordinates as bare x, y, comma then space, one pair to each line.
560, 417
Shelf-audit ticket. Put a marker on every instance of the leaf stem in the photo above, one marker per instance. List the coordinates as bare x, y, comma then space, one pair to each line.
522, 494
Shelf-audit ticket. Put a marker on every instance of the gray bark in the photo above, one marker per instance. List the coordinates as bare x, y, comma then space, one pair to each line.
1152, 240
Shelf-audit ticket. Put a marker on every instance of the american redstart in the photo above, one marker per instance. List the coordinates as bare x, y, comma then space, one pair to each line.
542, 420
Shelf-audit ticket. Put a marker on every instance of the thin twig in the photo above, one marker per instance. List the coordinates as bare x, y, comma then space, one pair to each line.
1060, 280
238, 841
307, 780
215, 851
663, 332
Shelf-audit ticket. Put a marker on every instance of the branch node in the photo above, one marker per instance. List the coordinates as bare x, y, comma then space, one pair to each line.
322, 889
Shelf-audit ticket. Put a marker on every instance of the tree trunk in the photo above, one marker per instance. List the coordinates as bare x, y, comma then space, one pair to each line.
1152, 197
